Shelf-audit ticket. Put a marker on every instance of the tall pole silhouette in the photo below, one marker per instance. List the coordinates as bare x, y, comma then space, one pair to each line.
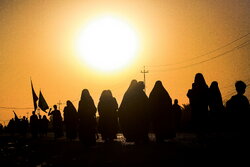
144, 76
59, 104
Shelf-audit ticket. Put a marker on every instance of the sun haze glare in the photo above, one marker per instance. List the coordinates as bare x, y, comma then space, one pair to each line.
107, 44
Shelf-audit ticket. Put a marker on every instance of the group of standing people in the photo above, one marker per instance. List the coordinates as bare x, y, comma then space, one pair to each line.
17, 125
38, 125
209, 112
84, 120
139, 114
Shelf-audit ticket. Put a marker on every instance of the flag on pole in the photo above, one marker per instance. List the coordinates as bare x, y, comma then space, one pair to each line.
42, 103
35, 98
16, 117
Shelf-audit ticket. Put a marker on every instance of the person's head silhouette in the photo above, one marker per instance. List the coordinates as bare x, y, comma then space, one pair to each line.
199, 79
85, 94
214, 84
109, 93
141, 85
133, 84
55, 107
158, 83
240, 87
69, 103
176, 101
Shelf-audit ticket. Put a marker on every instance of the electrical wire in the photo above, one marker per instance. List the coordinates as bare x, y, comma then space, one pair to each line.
205, 54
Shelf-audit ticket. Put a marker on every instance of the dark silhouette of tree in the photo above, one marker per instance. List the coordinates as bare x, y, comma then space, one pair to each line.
70, 120
160, 104
87, 119
108, 120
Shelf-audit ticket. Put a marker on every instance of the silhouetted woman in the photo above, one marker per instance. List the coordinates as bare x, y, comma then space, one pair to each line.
70, 120
216, 106
126, 112
160, 104
199, 100
87, 119
141, 114
108, 120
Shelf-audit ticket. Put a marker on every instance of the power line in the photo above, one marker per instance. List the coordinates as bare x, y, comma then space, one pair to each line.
217, 56
232, 91
16, 108
208, 53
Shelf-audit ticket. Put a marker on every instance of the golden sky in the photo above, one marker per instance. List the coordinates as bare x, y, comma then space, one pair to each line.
178, 38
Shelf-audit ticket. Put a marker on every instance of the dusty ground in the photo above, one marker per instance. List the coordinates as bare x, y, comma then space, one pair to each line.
185, 149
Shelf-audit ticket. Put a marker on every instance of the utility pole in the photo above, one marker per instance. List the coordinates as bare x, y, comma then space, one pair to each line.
59, 104
144, 76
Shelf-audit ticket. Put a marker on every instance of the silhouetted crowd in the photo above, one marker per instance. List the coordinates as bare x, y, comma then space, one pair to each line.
139, 114
208, 111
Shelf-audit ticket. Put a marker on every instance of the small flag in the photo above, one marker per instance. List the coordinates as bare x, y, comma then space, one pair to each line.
35, 98
42, 103
16, 117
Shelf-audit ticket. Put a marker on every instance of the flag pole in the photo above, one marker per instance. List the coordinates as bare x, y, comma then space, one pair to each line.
34, 96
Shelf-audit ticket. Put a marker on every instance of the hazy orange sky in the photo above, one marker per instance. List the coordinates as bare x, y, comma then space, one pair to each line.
37, 40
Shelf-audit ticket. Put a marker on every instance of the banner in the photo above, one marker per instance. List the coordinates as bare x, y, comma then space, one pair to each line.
35, 98
42, 103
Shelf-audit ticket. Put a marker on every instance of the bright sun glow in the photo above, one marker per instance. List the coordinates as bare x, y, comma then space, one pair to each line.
107, 44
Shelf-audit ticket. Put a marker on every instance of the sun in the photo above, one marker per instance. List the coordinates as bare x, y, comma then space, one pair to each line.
107, 44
